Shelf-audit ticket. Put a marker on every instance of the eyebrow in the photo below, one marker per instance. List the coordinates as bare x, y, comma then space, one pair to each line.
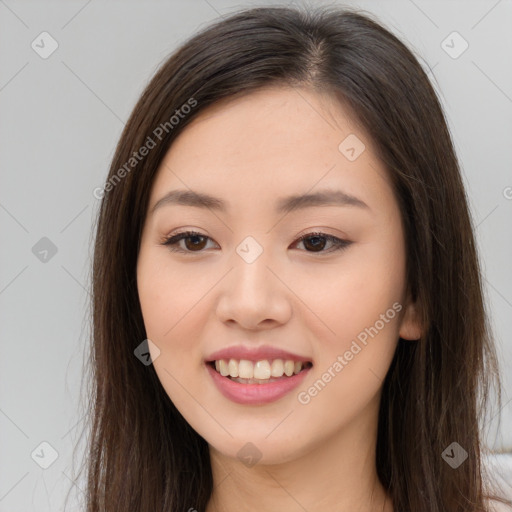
284, 205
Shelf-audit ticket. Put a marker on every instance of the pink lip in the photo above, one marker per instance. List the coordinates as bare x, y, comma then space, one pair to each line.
254, 354
254, 394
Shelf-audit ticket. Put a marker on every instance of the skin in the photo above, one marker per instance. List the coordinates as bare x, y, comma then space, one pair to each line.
249, 151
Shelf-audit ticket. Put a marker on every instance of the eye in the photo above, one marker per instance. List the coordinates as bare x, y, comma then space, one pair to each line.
317, 241
196, 242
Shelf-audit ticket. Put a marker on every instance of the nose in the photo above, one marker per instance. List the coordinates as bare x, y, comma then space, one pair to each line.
253, 295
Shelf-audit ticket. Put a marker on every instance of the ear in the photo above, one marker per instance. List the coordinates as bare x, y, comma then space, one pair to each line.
410, 326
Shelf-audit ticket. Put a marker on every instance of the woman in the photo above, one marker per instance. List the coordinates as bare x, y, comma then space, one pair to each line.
288, 311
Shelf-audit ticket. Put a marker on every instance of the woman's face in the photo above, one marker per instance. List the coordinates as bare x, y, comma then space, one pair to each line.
246, 283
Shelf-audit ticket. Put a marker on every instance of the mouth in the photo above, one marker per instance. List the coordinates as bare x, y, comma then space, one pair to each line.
257, 382
264, 371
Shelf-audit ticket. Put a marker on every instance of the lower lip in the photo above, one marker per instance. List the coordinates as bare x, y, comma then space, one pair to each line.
255, 394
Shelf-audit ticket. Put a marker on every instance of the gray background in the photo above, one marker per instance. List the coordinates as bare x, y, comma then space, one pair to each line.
60, 120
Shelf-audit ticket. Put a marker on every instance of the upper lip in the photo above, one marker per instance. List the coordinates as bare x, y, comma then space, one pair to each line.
254, 354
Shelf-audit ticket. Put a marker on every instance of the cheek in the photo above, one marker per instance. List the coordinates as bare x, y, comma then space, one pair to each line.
364, 310
164, 301
172, 305
170, 295
176, 305
351, 295
359, 302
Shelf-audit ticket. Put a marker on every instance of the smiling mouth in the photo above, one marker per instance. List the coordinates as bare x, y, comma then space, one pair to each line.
264, 371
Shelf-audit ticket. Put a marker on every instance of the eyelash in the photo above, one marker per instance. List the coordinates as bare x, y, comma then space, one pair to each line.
173, 240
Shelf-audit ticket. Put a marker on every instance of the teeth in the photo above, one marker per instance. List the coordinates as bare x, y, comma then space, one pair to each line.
289, 366
224, 370
277, 368
245, 369
260, 370
233, 368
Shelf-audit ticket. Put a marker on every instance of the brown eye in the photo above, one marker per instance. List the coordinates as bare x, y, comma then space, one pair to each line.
193, 242
197, 242
316, 242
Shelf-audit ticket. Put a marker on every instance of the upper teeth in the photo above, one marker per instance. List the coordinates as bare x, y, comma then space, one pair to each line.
264, 369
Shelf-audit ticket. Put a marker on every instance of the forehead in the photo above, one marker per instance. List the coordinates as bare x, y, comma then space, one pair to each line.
264, 123
270, 141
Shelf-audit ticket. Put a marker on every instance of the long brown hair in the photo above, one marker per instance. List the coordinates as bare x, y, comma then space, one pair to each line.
142, 454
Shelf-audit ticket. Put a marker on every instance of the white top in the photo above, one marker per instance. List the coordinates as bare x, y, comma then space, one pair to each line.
498, 470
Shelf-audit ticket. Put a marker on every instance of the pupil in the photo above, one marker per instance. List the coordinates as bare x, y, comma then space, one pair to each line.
316, 245
195, 243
